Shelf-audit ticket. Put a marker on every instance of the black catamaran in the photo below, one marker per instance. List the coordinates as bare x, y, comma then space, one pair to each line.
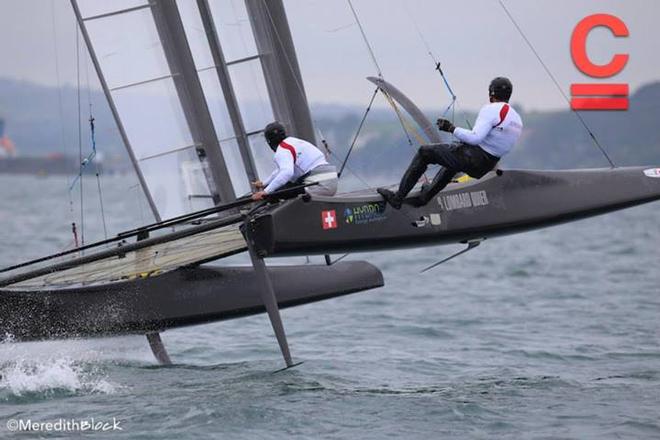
191, 116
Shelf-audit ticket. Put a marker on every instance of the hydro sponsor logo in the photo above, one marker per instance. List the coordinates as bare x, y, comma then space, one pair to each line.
364, 214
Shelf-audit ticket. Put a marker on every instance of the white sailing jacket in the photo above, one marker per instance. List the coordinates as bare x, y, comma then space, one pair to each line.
496, 130
293, 159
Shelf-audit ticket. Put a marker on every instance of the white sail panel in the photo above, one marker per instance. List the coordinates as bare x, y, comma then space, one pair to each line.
234, 29
214, 95
177, 109
91, 8
141, 84
215, 100
252, 94
235, 166
195, 33
177, 182
153, 118
128, 47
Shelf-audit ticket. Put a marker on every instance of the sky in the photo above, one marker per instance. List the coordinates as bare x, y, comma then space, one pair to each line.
473, 39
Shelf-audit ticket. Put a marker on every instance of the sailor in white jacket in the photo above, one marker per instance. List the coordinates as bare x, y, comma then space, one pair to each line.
297, 162
495, 132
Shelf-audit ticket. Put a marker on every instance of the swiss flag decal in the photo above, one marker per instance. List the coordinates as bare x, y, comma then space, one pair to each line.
329, 219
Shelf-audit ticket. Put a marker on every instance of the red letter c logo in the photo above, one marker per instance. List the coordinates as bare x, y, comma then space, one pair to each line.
579, 45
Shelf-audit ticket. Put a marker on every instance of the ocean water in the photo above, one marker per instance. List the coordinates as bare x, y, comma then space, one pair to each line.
549, 334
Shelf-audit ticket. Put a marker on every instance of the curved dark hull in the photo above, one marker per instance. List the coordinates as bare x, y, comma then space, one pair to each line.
498, 204
183, 297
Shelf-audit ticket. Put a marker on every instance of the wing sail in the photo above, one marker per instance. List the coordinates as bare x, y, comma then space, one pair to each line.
191, 85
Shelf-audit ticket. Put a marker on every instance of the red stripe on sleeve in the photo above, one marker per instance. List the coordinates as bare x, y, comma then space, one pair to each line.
290, 148
503, 112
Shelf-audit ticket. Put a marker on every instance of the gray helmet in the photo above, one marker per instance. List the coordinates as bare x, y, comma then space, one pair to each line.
274, 134
500, 88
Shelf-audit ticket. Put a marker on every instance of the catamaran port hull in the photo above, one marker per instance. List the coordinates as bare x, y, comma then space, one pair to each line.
186, 296
500, 203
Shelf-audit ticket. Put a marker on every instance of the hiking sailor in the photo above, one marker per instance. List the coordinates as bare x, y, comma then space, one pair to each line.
297, 162
495, 132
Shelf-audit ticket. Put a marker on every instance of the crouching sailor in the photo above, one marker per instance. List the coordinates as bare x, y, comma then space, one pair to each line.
297, 162
495, 132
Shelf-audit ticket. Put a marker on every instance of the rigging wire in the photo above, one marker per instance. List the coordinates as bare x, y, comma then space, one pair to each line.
552, 77
380, 75
92, 155
454, 98
60, 101
93, 142
98, 178
405, 124
80, 154
357, 133
366, 40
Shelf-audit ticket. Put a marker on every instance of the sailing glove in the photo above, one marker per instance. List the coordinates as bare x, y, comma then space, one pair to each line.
445, 125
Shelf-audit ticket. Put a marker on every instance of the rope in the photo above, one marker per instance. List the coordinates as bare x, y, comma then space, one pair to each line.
80, 154
453, 104
96, 165
366, 40
60, 102
405, 125
357, 133
552, 77
93, 141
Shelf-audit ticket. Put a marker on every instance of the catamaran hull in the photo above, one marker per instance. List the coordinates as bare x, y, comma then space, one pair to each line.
182, 297
500, 203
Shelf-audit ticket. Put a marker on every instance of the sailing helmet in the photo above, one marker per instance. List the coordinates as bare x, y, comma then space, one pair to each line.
500, 88
274, 133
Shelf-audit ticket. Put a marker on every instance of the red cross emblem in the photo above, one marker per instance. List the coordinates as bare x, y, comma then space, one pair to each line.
329, 219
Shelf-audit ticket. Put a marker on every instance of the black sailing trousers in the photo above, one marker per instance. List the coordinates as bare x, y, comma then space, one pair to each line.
454, 158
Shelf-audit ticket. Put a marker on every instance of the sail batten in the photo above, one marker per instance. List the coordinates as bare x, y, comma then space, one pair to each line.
93, 9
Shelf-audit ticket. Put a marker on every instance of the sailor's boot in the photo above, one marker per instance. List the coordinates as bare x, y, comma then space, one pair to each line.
440, 181
408, 181
391, 197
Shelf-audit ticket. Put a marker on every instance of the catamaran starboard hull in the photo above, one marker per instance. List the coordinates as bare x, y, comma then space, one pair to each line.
182, 297
500, 203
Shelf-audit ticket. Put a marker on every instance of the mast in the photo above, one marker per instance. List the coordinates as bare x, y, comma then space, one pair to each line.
285, 85
227, 88
172, 35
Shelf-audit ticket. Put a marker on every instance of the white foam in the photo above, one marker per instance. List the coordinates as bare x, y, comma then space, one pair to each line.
64, 374
42, 368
